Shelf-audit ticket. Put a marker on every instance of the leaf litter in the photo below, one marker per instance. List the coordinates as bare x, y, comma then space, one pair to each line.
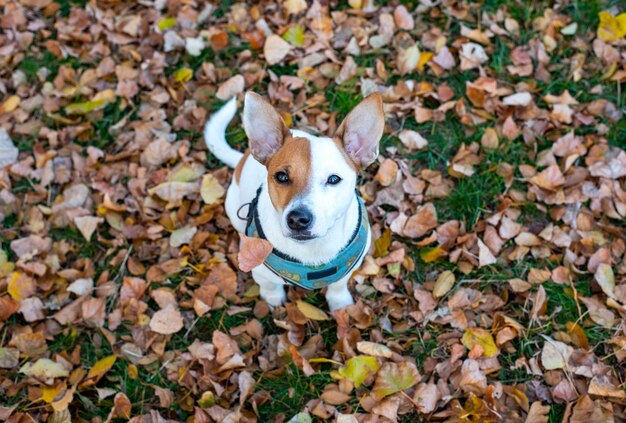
495, 289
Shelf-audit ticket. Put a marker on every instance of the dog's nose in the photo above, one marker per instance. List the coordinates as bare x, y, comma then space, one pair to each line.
299, 219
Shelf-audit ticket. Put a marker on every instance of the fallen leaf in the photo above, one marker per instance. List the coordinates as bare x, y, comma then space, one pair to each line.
252, 252
87, 225
374, 349
611, 28
230, 88
394, 377
555, 354
387, 172
182, 236
44, 368
275, 49
8, 151
408, 59
100, 368
538, 413
606, 279
444, 284
412, 140
481, 337
358, 368
166, 321
310, 311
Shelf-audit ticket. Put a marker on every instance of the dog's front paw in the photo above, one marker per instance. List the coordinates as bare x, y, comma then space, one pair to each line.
338, 295
340, 302
274, 297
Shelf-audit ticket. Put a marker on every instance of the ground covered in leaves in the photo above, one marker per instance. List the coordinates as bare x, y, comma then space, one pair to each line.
496, 286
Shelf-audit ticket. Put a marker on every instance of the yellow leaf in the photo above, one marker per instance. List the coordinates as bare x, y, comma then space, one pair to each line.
51, 392
85, 107
429, 255
358, 368
311, 312
424, 58
382, 244
207, 400
166, 23
294, 35
395, 377
482, 337
211, 190
20, 288
183, 75
611, 27
101, 367
133, 371
10, 104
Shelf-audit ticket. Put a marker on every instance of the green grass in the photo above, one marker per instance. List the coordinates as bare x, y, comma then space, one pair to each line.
289, 391
83, 248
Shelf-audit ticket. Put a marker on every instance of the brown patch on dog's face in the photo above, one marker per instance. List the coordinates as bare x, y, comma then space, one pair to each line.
294, 159
239, 167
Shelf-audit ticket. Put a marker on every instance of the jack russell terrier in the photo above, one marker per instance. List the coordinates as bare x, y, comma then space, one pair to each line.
299, 191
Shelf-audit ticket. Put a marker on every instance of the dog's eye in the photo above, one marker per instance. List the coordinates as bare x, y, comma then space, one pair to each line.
281, 177
333, 180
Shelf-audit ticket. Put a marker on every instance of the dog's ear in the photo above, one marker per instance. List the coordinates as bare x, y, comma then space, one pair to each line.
264, 127
361, 130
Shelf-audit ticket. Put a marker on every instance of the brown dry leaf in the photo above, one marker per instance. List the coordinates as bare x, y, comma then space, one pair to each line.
374, 349
473, 380
310, 311
87, 225
403, 18
421, 222
538, 413
485, 257
252, 252
387, 172
231, 87
275, 49
555, 354
490, 139
8, 150
606, 279
166, 396
408, 59
551, 178
166, 321
174, 191
444, 284
412, 140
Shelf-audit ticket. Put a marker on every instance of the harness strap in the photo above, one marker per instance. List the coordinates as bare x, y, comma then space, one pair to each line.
294, 272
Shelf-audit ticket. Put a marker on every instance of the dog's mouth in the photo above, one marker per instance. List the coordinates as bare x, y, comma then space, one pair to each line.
302, 237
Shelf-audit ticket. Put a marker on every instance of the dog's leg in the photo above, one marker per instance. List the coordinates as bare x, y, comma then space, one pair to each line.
338, 296
272, 287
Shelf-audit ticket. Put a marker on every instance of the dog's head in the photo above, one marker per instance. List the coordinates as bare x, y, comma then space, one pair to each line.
311, 179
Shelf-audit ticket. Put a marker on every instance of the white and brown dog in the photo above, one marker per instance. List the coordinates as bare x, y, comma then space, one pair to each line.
299, 190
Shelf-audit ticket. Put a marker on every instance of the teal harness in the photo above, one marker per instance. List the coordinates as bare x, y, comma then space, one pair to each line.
308, 276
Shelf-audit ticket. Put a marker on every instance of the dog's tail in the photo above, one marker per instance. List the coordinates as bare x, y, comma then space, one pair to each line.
215, 131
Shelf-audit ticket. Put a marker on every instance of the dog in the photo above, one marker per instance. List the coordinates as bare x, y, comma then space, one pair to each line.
298, 191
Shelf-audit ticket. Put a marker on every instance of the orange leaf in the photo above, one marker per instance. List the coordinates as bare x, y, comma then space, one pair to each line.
579, 338
253, 252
